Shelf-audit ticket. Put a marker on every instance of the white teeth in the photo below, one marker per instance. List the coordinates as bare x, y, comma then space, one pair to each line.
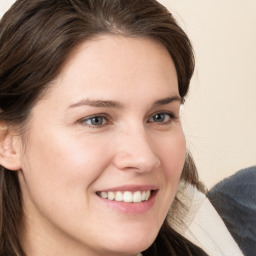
104, 194
127, 196
143, 196
136, 198
119, 196
111, 196
147, 195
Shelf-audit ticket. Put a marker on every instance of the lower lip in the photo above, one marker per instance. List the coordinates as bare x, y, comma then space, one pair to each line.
131, 208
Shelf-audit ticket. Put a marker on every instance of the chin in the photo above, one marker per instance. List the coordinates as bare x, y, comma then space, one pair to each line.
133, 242
128, 248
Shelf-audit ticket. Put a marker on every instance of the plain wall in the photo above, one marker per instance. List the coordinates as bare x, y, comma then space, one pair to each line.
219, 114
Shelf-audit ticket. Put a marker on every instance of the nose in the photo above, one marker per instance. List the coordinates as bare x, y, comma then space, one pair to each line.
134, 152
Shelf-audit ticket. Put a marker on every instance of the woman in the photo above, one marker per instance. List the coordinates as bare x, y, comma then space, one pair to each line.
92, 149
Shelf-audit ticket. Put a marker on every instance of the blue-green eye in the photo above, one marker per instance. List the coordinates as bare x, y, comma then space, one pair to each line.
161, 118
94, 121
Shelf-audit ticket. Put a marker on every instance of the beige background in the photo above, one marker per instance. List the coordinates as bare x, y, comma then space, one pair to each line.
219, 116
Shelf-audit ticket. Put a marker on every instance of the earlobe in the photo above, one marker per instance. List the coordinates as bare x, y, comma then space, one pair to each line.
9, 148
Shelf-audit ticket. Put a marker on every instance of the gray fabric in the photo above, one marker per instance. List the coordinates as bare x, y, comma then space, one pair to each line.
234, 198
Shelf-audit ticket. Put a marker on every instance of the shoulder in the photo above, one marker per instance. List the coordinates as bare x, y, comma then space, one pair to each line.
234, 198
241, 186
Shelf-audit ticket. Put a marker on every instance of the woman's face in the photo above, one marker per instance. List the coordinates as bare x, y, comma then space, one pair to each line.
105, 138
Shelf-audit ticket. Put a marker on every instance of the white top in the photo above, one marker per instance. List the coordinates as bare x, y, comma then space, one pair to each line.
200, 223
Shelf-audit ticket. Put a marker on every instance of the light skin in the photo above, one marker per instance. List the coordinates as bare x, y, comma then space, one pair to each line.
131, 85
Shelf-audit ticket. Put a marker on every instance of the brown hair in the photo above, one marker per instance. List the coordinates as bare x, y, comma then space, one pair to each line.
36, 38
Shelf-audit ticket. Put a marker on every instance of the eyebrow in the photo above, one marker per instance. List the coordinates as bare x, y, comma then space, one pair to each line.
97, 103
168, 100
117, 104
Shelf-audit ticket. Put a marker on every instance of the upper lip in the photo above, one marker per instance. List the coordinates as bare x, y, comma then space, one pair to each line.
131, 188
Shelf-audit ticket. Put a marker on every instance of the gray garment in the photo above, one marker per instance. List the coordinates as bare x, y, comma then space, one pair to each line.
234, 198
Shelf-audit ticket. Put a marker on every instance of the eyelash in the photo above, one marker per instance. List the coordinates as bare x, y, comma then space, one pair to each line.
106, 120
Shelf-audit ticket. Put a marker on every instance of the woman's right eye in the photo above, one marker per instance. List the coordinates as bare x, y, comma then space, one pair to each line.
94, 121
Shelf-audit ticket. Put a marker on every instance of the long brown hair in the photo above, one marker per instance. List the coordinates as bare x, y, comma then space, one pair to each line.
36, 39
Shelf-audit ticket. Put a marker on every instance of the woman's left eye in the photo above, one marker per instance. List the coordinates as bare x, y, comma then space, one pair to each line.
161, 118
94, 121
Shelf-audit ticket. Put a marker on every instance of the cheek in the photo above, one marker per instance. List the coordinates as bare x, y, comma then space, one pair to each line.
58, 178
62, 162
173, 154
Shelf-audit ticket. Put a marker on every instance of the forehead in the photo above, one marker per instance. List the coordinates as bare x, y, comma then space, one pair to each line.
116, 66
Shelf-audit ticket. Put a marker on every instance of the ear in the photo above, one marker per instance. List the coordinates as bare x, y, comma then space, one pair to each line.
9, 148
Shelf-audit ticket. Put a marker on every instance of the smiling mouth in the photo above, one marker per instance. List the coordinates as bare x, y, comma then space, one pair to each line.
126, 196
